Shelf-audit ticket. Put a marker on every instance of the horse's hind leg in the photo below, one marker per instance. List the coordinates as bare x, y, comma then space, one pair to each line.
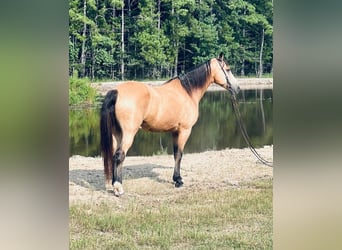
179, 140
118, 160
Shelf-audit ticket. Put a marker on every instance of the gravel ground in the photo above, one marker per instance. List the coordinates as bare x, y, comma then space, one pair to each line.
149, 179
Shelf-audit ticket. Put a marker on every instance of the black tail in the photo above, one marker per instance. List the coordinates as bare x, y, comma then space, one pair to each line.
109, 125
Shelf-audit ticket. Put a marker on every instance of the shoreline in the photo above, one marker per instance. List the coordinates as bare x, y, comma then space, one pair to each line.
245, 84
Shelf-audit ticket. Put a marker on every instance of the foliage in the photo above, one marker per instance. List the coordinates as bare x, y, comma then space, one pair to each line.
164, 38
80, 91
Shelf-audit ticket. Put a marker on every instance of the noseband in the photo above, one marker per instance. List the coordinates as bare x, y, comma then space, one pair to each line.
230, 89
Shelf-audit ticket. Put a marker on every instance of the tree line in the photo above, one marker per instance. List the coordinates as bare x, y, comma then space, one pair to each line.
132, 39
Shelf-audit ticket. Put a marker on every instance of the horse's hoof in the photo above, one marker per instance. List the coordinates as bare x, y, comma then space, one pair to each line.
118, 189
108, 186
179, 184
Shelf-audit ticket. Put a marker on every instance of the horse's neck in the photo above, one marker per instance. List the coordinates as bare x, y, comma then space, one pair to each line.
198, 93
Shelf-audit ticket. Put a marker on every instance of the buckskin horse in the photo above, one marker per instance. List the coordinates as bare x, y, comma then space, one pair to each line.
170, 107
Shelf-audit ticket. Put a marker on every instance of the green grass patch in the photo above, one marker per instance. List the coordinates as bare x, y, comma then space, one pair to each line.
209, 219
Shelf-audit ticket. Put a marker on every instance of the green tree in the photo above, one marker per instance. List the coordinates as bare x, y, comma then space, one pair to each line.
128, 39
149, 39
249, 28
203, 38
177, 28
78, 17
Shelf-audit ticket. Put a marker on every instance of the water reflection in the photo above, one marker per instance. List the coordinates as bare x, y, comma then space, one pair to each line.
215, 129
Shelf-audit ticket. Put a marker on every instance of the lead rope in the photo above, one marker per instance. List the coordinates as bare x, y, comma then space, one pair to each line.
244, 131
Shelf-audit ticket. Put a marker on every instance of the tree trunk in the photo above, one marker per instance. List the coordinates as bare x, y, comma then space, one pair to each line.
73, 62
113, 50
260, 54
122, 41
175, 43
83, 57
243, 49
128, 34
159, 14
159, 68
93, 64
243, 64
175, 73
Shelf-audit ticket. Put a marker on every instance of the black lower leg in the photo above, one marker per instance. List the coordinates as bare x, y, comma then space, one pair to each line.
114, 172
176, 174
175, 151
118, 158
178, 181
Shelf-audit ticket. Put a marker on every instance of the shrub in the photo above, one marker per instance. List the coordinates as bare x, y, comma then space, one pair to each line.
80, 91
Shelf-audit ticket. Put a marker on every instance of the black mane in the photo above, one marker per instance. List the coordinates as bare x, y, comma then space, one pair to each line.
195, 78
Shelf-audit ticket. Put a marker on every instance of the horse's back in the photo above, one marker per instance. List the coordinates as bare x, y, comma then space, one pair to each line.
133, 90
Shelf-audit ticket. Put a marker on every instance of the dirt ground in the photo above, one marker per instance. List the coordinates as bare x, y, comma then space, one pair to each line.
149, 179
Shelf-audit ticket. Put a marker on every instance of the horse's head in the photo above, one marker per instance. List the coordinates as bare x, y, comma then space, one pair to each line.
223, 75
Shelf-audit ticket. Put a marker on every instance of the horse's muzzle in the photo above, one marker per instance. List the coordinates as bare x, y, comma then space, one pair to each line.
234, 91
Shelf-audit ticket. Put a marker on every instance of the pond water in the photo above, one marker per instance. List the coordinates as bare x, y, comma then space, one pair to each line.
215, 129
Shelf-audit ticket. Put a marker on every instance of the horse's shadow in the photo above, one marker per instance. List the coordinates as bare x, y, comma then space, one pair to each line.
94, 179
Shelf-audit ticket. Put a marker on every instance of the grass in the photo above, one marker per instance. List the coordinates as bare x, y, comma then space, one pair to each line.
208, 219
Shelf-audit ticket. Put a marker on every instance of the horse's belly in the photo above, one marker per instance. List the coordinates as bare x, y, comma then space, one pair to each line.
159, 126
169, 121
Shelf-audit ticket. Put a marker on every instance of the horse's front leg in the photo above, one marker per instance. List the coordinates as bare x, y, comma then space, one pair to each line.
179, 140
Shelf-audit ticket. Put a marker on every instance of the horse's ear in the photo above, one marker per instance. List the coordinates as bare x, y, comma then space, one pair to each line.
221, 56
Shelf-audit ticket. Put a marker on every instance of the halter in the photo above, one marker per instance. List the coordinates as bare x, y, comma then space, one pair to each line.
230, 89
